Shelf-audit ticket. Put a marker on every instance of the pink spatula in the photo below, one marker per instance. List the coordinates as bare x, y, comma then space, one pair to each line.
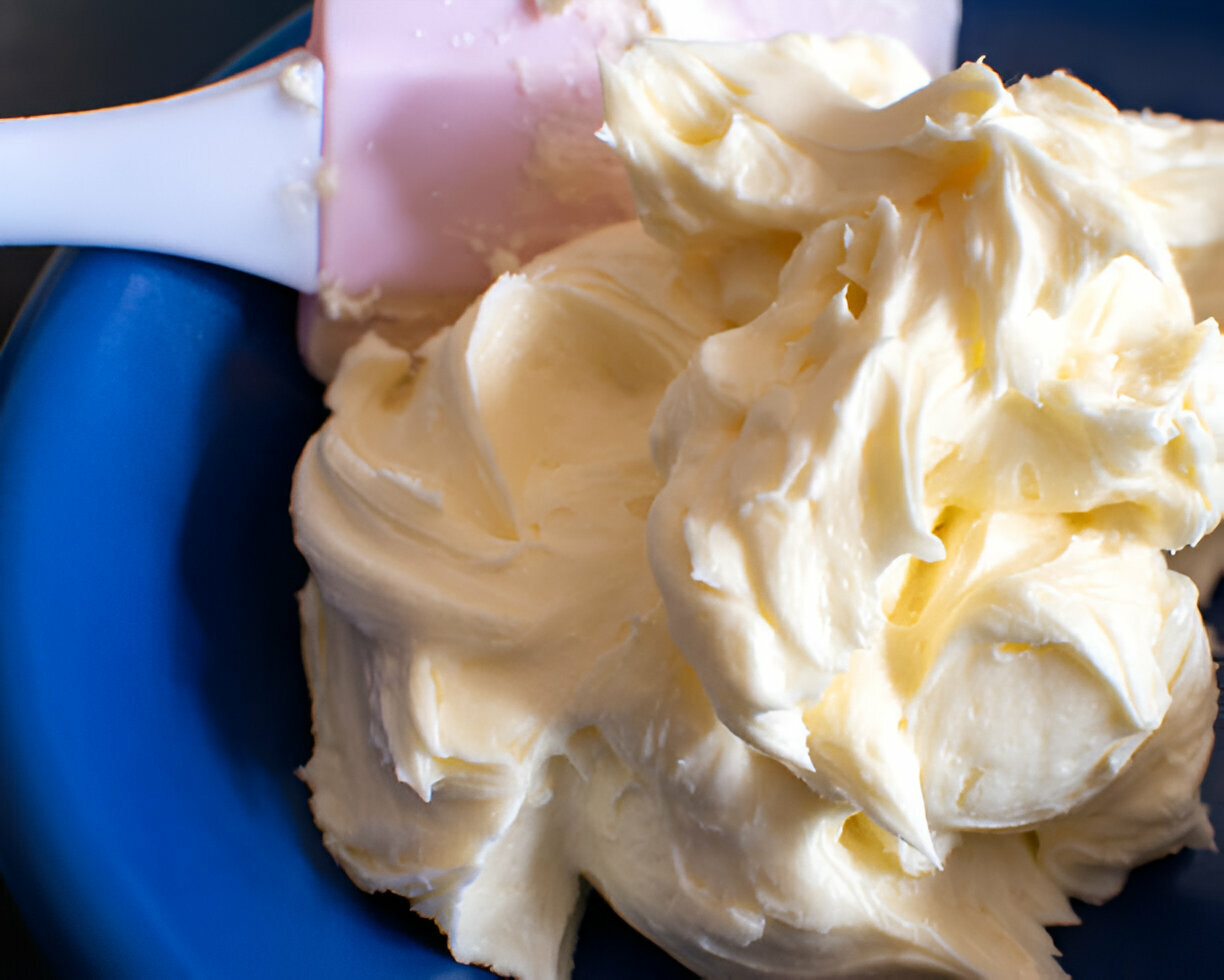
445, 140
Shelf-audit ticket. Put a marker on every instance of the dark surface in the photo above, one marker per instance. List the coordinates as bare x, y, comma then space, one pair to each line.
1142, 54
70, 55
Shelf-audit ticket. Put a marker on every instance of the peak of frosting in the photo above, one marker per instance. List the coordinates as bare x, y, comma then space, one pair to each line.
788, 565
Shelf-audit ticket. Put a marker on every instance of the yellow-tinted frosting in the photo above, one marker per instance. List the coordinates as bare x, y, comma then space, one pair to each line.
790, 564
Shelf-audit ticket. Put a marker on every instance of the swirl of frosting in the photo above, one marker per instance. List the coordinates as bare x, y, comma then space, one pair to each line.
951, 449
788, 566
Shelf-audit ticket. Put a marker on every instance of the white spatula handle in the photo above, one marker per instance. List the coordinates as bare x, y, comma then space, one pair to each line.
225, 173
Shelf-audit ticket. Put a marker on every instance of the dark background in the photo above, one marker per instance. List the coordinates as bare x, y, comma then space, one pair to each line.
62, 55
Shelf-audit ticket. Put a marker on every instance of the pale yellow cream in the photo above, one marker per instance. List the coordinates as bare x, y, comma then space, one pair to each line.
788, 565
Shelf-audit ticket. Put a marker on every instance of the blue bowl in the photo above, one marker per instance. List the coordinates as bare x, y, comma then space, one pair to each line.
152, 704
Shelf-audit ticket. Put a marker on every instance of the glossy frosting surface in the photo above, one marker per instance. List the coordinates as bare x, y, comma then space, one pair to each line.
788, 564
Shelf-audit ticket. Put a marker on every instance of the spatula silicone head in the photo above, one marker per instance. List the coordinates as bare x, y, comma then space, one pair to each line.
459, 135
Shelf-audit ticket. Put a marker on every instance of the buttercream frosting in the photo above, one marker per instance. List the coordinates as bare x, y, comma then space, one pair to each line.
789, 564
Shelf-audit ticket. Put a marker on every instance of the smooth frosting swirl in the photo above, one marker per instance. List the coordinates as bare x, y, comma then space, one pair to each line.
960, 434
788, 565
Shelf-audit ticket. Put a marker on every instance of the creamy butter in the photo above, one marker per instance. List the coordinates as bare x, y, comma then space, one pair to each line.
789, 564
